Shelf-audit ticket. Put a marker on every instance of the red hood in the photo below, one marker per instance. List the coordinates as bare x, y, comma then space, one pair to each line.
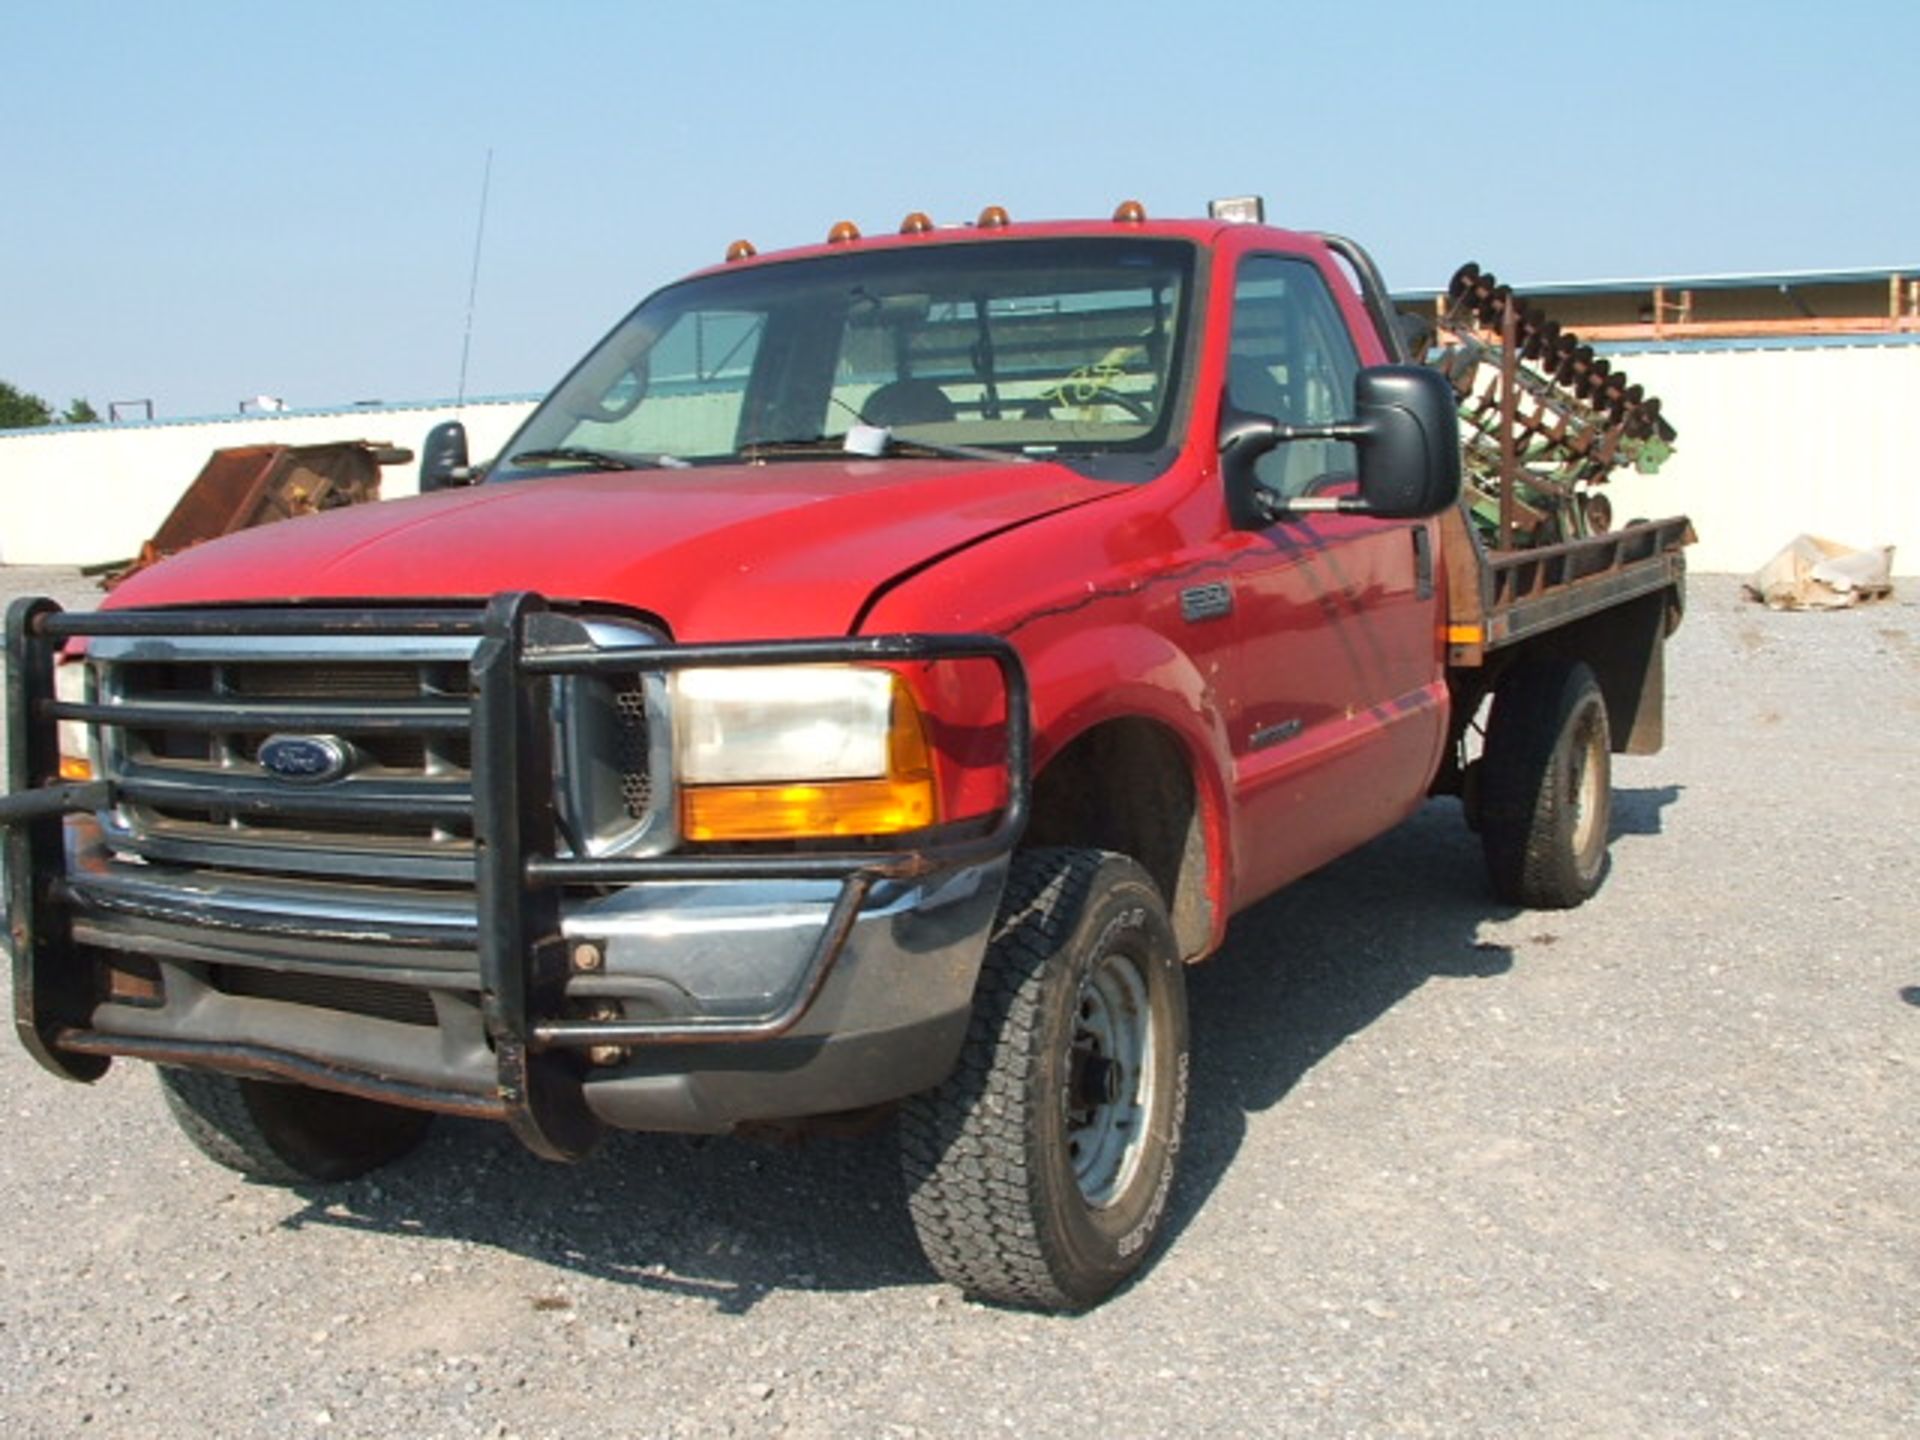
789, 549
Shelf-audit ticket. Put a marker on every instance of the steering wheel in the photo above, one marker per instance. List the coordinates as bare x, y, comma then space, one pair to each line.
1088, 386
619, 400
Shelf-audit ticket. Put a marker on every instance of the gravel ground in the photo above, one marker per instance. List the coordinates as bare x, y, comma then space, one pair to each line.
1643, 1168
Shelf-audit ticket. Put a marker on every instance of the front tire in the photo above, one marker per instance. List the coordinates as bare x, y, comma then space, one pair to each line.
1546, 797
1039, 1172
285, 1134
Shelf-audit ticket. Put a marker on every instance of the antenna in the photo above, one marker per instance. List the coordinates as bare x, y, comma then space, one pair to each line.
473, 282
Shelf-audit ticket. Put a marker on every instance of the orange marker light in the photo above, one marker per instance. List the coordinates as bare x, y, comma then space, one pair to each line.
993, 217
845, 233
916, 224
1130, 212
741, 250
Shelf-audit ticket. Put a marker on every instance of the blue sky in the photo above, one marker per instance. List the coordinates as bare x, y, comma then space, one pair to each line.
211, 201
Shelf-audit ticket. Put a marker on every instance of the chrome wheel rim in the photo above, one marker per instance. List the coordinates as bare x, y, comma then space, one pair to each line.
1110, 1074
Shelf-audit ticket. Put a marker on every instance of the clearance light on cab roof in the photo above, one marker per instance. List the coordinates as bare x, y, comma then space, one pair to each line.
994, 217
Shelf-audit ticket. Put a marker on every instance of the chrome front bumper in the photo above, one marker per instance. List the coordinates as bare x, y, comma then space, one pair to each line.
696, 959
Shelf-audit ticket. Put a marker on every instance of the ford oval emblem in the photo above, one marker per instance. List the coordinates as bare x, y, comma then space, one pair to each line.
306, 759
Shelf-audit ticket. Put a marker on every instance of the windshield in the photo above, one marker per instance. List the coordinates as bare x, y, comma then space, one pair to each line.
1066, 348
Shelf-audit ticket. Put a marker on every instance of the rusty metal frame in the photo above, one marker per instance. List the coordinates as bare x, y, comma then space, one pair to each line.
1498, 598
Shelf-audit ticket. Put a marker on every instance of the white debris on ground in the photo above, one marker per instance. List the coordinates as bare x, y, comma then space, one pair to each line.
1812, 573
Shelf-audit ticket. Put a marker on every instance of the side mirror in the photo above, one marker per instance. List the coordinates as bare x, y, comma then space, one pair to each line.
1406, 430
443, 458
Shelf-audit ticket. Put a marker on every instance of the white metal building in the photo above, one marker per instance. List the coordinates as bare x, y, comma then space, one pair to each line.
90, 494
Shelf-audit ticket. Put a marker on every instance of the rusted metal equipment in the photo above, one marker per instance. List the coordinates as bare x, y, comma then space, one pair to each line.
250, 485
1543, 419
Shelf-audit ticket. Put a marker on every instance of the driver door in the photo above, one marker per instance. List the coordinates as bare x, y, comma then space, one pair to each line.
1337, 706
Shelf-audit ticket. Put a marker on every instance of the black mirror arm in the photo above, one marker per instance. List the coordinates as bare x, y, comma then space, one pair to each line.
1280, 505
1246, 438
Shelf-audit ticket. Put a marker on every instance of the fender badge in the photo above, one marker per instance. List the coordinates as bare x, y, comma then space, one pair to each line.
306, 759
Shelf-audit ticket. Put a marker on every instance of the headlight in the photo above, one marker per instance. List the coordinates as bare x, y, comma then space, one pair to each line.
73, 685
783, 752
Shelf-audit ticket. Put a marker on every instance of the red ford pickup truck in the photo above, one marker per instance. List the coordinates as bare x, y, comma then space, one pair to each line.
864, 685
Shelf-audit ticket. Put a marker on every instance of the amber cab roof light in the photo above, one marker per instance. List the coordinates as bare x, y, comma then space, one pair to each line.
1245, 209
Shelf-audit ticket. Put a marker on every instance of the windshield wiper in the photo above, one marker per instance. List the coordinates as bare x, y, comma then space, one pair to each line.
887, 445
912, 449
794, 445
597, 459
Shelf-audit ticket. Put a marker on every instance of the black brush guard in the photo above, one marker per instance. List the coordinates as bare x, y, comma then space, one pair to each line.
518, 873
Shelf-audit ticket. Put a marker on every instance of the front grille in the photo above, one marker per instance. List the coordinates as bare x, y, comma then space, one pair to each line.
187, 760
634, 736
346, 682
377, 999
392, 716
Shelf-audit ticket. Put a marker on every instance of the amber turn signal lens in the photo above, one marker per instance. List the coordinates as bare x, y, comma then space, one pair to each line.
801, 812
75, 767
